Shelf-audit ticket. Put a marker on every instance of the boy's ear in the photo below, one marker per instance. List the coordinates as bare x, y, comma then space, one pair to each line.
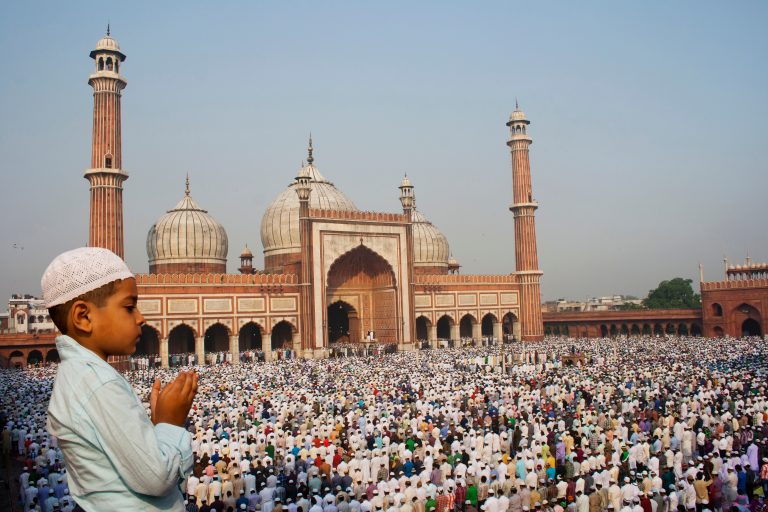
79, 315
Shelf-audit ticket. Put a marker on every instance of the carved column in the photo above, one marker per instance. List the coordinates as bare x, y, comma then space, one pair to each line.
432, 337
234, 349
497, 331
455, 332
477, 331
164, 353
200, 349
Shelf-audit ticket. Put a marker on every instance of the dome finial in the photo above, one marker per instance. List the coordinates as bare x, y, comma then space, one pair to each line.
310, 158
107, 29
186, 191
517, 105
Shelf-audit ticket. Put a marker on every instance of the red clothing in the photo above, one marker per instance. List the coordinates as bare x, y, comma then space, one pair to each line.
443, 502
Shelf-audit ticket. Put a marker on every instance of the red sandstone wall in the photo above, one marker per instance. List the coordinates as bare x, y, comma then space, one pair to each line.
732, 297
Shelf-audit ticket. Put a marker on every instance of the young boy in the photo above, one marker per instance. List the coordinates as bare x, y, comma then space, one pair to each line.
116, 457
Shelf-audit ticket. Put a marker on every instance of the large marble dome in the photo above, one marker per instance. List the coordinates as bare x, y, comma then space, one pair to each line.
430, 247
280, 223
187, 240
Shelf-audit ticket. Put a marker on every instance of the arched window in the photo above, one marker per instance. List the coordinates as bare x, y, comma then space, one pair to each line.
717, 309
20, 319
109, 63
101, 63
108, 161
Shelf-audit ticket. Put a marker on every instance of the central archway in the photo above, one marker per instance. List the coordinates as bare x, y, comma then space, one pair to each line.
343, 323
364, 285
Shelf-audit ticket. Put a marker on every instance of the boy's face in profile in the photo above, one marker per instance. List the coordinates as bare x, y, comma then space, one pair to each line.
117, 324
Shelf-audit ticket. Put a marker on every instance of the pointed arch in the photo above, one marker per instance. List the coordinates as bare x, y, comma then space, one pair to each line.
509, 325
488, 321
216, 338
444, 324
34, 357
466, 325
365, 274
357, 264
422, 327
250, 337
181, 339
282, 335
52, 356
149, 343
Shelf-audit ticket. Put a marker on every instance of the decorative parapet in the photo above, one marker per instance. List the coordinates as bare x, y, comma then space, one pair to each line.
629, 315
215, 279
450, 279
734, 284
319, 213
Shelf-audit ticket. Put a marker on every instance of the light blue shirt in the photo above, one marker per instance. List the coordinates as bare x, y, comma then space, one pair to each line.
116, 458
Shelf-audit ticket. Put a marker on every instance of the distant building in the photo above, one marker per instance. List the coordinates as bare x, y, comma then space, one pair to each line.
332, 273
737, 305
609, 303
26, 314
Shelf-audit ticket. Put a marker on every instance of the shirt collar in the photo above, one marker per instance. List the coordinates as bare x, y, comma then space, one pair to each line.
70, 349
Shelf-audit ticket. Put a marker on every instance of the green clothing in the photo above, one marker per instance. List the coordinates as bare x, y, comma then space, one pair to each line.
431, 505
472, 494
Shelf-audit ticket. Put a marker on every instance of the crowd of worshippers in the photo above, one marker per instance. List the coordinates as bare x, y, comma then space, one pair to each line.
652, 424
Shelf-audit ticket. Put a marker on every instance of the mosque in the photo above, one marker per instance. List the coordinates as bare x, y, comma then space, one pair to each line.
332, 273
337, 276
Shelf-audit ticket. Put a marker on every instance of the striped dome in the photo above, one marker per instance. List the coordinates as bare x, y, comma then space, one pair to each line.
430, 247
187, 236
280, 223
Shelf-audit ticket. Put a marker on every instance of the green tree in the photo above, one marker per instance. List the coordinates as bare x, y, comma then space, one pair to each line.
674, 294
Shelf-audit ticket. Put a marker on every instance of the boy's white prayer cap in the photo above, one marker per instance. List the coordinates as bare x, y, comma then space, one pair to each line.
79, 271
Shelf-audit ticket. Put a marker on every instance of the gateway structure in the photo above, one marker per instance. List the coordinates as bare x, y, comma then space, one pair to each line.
332, 273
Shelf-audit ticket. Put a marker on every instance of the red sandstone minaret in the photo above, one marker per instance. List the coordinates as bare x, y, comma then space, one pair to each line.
524, 208
106, 174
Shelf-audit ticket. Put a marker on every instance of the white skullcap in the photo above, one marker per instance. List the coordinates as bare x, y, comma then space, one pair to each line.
79, 271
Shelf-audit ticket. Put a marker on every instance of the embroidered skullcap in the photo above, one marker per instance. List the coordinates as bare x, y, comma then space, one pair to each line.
79, 271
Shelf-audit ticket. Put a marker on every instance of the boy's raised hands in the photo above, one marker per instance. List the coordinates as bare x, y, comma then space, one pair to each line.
171, 404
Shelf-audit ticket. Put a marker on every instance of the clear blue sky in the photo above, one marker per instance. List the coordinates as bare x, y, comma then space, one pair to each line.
648, 120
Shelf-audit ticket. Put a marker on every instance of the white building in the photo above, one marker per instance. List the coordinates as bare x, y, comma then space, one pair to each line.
27, 314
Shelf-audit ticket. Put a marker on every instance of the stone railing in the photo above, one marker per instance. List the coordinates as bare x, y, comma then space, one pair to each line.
215, 279
734, 284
